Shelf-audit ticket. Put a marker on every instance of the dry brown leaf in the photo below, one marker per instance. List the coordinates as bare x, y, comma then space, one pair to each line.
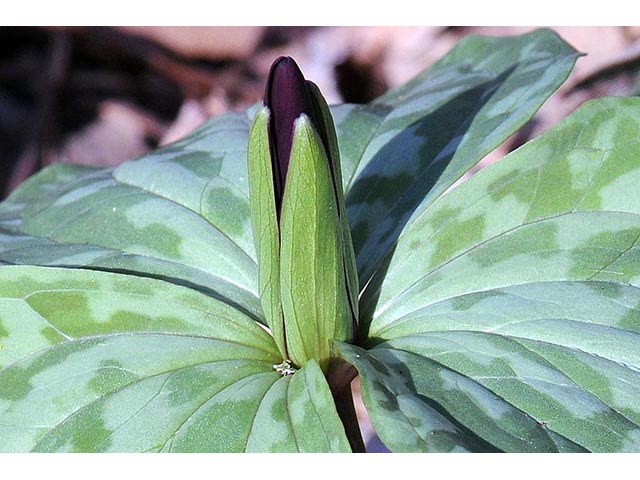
214, 43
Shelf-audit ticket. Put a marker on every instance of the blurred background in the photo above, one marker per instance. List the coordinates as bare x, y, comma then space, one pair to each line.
99, 96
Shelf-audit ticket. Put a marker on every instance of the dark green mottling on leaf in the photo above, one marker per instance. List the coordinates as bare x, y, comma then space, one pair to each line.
218, 202
463, 233
465, 302
609, 290
631, 320
183, 386
538, 240
51, 335
3, 331
110, 376
84, 432
17, 378
600, 252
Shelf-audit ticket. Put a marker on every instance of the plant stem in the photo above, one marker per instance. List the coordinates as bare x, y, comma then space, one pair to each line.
340, 377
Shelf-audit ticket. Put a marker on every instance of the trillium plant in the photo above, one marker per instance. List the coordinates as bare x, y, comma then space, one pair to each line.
222, 293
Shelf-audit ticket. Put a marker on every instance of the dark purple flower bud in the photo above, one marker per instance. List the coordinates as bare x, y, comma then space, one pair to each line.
296, 207
287, 96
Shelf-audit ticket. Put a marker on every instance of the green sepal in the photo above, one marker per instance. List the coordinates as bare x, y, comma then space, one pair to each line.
265, 226
347, 243
312, 274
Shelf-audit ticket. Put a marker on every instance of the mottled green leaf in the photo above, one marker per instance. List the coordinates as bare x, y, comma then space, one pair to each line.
180, 214
523, 286
409, 397
404, 149
298, 415
96, 361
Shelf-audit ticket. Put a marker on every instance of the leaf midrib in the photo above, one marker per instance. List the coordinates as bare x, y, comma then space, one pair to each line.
106, 336
545, 361
380, 311
403, 319
256, 334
